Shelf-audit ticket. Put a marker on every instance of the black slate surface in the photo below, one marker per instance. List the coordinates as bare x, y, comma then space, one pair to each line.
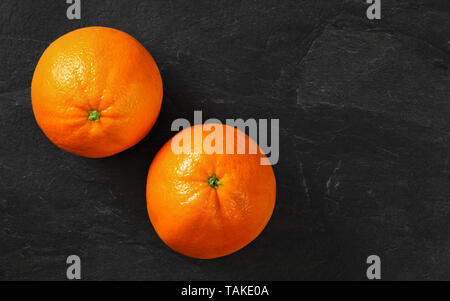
365, 137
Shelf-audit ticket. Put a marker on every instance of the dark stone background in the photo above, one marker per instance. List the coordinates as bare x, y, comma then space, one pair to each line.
365, 139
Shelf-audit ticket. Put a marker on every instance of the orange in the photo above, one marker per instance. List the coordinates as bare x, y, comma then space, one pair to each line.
205, 204
96, 91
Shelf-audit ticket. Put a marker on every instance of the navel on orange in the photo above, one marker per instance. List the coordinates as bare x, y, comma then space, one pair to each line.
96, 91
206, 204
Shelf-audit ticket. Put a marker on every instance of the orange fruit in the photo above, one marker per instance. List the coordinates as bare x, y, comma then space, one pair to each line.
205, 204
96, 91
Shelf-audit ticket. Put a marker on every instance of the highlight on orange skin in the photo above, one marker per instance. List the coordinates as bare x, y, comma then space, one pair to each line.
209, 205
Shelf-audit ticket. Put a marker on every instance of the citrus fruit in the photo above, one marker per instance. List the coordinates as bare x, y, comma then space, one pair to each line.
206, 203
96, 91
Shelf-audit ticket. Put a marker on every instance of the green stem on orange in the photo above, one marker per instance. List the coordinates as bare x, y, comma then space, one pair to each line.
94, 115
214, 182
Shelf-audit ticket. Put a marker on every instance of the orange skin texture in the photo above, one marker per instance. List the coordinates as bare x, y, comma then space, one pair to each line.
197, 220
102, 69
